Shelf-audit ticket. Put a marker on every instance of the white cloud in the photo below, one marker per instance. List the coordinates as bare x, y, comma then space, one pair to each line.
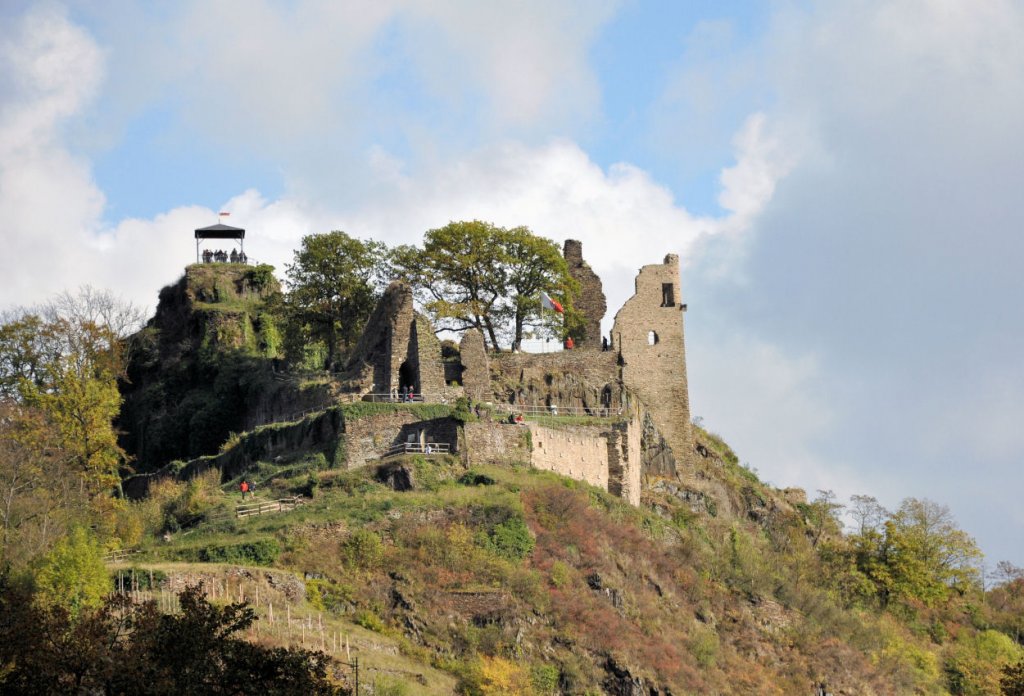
48, 202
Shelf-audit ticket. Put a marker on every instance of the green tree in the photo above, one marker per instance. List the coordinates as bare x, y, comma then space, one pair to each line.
35, 499
72, 576
65, 359
461, 275
473, 274
918, 553
332, 288
1006, 600
534, 264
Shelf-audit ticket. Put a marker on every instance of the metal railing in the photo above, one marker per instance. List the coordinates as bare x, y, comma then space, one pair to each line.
556, 410
418, 448
282, 505
399, 398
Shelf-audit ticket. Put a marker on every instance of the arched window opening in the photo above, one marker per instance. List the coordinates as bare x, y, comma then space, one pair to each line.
652, 338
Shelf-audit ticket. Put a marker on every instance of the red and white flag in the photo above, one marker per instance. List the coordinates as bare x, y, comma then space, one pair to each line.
224, 214
547, 303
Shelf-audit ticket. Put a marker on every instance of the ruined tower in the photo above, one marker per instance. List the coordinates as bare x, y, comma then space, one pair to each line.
648, 335
591, 302
398, 348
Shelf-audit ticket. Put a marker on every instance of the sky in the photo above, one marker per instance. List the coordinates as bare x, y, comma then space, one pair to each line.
838, 177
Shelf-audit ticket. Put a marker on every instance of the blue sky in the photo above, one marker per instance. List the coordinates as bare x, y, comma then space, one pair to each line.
840, 178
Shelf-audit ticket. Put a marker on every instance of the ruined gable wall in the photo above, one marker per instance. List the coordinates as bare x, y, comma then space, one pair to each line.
385, 340
425, 357
399, 330
396, 334
591, 301
476, 372
577, 452
657, 371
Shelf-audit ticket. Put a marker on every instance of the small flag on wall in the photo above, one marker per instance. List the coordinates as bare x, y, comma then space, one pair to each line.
547, 303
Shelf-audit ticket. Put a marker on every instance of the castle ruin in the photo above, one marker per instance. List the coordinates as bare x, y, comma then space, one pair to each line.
398, 349
590, 302
638, 384
648, 336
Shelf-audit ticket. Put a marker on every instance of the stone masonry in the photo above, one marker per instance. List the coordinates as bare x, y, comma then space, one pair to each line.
591, 302
398, 348
476, 374
648, 335
609, 458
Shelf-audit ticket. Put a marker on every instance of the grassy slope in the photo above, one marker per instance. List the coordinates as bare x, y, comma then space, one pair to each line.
445, 575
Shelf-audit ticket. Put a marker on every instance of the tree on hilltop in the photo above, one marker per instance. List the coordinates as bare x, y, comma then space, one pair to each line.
476, 275
536, 264
333, 287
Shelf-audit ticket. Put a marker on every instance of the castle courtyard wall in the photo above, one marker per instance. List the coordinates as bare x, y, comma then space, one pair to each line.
576, 452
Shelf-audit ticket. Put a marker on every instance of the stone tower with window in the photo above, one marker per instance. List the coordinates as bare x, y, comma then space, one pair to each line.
648, 335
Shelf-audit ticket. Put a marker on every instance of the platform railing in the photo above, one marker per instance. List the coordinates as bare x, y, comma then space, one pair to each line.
419, 448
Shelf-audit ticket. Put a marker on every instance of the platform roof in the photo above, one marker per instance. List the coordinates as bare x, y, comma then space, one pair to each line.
220, 231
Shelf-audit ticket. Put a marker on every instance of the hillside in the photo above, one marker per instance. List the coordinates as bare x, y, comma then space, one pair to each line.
478, 576
603, 545
204, 366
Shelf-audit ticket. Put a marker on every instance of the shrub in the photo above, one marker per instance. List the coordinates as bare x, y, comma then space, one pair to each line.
370, 621
261, 276
544, 679
561, 574
260, 552
474, 478
324, 595
704, 646
72, 575
511, 539
363, 550
461, 412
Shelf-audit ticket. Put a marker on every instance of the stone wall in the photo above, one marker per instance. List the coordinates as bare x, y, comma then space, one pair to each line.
577, 452
369, 438
590, 302
385, 341
608, 458
398, 348
424, 357
476, 372
495, 443
570, 379
648, 336
346, 443
625, 460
